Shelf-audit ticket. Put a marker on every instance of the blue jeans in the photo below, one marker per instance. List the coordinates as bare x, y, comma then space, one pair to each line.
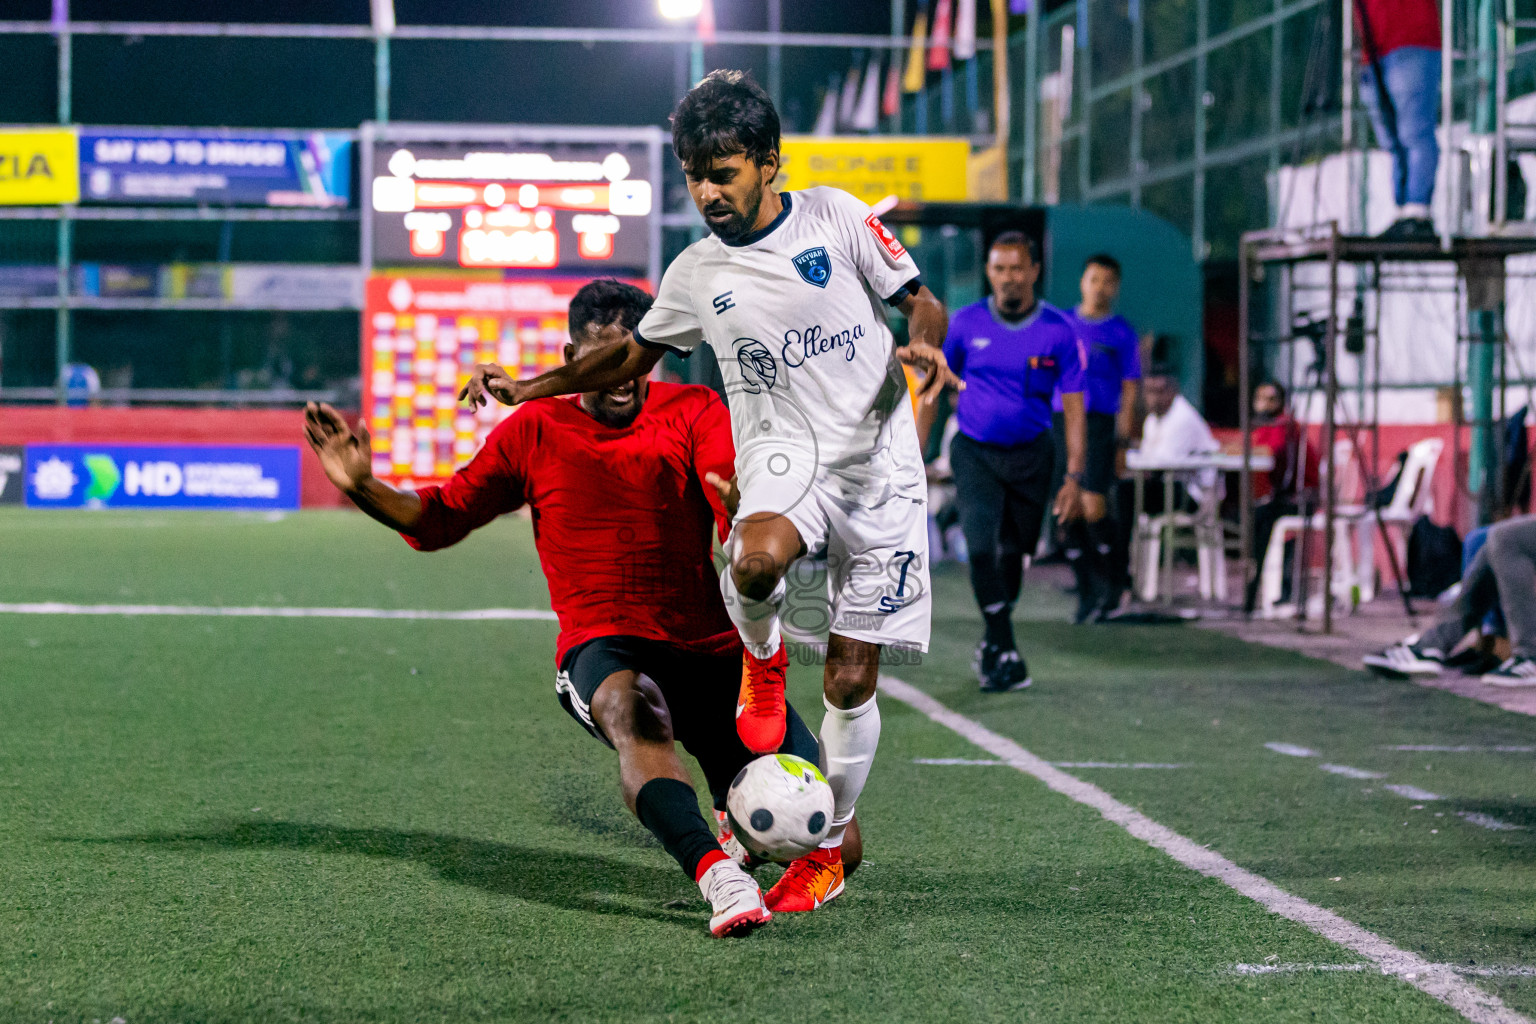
1413, 83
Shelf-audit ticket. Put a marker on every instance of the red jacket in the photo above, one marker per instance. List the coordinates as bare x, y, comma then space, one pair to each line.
1395, 24
622, 519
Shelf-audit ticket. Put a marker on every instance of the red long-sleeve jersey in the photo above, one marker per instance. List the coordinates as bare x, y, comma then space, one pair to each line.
622, 518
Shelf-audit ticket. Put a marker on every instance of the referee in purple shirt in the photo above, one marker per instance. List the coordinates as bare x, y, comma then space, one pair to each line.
1110, 378
1013, 352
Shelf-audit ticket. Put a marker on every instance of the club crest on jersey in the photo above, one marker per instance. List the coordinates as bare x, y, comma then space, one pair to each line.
815, 266
759, 371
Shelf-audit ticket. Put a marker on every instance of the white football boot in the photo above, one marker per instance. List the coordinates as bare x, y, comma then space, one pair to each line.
735, 900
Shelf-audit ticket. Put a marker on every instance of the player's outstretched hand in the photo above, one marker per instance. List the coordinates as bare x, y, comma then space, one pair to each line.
347, 458
730, 495
490, 379
936, 372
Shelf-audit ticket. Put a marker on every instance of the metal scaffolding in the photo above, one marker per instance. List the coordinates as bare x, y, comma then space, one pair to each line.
1273, 258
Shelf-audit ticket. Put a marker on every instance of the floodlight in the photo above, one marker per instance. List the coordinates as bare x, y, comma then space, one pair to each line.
680, 9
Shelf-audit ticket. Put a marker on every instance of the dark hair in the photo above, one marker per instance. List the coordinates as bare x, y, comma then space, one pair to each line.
1102, 259
725, 114
606, 301
1020, 239
1279, 388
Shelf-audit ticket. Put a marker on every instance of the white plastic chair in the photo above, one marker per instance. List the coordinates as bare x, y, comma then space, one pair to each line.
1209, 543
1354, 524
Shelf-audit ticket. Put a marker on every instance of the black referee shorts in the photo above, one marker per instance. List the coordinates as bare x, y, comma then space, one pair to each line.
1099, 462
700, 691
1001, 491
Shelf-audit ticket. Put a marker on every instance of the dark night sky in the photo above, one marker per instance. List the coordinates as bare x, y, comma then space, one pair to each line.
799, 15
302, 84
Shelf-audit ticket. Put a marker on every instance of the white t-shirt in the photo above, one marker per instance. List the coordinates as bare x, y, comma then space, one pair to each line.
795, 315
1179, 432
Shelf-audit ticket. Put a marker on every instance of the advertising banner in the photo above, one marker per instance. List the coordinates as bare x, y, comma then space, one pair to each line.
252, 168
918, 169
39, 167
161, 476
12, 462
485, 205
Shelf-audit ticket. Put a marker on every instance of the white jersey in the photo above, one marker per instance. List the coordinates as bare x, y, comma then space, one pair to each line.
795, 314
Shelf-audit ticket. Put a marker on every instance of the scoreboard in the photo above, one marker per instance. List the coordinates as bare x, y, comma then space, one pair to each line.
486, 204
421, 338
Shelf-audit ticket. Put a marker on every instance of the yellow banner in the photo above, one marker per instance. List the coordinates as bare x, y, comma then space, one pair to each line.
916, 168
39, 166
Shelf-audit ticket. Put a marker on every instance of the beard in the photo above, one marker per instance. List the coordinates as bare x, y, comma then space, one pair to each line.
739, 223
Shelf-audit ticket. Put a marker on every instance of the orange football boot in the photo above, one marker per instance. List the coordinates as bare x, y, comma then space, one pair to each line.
760, 716
811, 882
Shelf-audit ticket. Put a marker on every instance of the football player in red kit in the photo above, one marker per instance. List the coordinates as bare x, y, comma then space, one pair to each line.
622, 519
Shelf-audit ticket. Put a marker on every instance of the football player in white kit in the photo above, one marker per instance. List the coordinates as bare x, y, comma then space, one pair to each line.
788, 291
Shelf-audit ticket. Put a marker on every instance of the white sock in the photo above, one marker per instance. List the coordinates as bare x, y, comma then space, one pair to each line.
756, 621
1417, 211
848, 741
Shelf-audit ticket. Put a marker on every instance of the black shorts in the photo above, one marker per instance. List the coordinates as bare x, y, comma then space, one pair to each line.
1099, 460
700, 691
1002, 491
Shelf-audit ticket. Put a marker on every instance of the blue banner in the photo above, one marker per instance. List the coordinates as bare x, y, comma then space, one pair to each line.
161, 476
148, 165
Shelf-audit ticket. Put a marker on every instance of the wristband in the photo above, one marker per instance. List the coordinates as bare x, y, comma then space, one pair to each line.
1076, 478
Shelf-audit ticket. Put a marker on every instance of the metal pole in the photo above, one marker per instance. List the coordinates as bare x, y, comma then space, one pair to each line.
1330, 399
898, 26
696, 61
1244, 373
1031, 102
776, 55
62, 323
1483, 458
1447, 109
381, 79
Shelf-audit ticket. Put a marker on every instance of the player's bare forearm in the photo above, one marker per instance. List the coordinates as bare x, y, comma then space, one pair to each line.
606, 368
927, 323
1076, 422
398, 510
927, 320
1125, 421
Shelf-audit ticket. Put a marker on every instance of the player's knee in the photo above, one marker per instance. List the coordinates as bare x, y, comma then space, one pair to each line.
756, 573
849, 683
632, 709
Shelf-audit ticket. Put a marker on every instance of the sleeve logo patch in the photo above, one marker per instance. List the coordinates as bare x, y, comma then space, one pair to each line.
884, 237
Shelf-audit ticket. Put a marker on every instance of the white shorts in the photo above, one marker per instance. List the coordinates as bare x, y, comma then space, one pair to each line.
877, 583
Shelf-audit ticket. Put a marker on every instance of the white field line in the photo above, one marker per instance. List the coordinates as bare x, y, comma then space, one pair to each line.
1411, 792
954, 761
1435, 980
1487, 821
1514, 971
1351, 773
1430, 748
1291, 750
470, 615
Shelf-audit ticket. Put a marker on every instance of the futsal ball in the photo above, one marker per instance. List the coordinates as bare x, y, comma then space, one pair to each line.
780, 807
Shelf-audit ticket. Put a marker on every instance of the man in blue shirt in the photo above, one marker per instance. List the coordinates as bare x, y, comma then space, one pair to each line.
1013, 352
1109, 396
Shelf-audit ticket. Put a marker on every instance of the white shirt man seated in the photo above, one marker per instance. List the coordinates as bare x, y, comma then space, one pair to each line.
1174, 429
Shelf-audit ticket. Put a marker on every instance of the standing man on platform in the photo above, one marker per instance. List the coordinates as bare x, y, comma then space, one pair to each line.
1110, 380
1400, 49
1013, 352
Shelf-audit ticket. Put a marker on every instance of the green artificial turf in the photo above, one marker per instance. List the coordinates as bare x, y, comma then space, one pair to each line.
222, 820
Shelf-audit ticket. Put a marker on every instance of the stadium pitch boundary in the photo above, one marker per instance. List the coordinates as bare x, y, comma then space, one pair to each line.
467, 615
1439, 981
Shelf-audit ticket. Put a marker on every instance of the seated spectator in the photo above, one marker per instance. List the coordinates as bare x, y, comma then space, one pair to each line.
1281, 491
1503, 576
1173, 430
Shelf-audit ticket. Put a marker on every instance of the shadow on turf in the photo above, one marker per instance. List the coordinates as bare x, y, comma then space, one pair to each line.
567, 881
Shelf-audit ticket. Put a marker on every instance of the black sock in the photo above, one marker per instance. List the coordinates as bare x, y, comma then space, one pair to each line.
670, 809
999, 627
1011, 565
